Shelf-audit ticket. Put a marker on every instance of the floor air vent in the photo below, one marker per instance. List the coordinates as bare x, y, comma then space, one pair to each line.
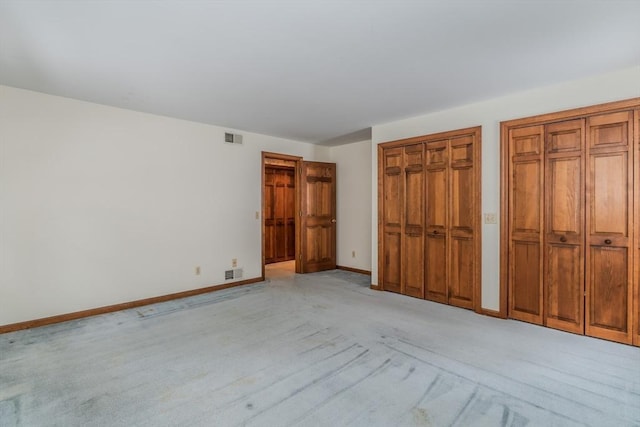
228, 274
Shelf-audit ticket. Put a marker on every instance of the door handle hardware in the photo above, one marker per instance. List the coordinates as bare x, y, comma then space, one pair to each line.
607, 241
333, 221
563, 239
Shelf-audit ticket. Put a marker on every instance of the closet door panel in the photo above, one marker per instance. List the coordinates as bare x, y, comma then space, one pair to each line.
463, 187
393, 191
564, 226
564, 288
525, 224
436, 222
413, 248
436, 271
461, 274
609, 224
526, 293
608, 291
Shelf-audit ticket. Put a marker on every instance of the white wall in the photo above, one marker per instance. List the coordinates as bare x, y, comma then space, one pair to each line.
353, 162
100, 205
619, 85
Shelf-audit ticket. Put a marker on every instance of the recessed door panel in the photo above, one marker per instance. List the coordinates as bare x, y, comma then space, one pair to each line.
526, 196
608, 288
436, 268
564, 288
526, 292
461, 272
392, 262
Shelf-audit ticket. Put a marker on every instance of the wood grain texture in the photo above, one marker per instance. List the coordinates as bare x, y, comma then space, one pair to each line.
318, 216
435, 180
588, 202
353, 270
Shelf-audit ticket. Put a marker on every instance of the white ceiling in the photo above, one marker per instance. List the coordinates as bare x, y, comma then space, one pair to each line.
320, 71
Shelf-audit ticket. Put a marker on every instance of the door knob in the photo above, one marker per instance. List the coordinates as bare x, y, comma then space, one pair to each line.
563, 239
333, 221
607, 241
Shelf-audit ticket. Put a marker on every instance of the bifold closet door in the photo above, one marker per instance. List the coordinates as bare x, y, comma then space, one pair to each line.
403, 220
437, 202
393, 193
462, 222
526, 184
413, 221
610, 227
564, 226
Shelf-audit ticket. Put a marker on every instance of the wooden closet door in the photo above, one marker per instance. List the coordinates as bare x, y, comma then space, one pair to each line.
526, 182
437, 221
413, 242
393, 191
610, 227
462, 221
564, 226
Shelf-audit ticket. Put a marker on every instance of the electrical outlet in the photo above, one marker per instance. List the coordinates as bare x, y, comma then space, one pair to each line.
197, 270
353, 254
234, 262
490, 218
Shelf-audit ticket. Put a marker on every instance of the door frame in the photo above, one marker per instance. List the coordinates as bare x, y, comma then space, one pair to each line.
297, 160
543, 119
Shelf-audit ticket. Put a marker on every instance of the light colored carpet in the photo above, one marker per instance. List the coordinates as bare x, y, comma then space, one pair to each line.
319, 349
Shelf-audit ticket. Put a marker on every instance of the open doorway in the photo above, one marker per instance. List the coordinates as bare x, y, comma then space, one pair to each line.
280, 203
311, 188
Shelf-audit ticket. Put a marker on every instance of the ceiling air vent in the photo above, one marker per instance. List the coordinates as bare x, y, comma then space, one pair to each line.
232, 138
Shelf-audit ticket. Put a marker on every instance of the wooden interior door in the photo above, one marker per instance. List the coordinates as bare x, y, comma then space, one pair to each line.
289, 218
268, 215
413, 221
279, 214
526, 184
393, 193
462, 221
437, 190
318, 217
610, 227
564, 226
